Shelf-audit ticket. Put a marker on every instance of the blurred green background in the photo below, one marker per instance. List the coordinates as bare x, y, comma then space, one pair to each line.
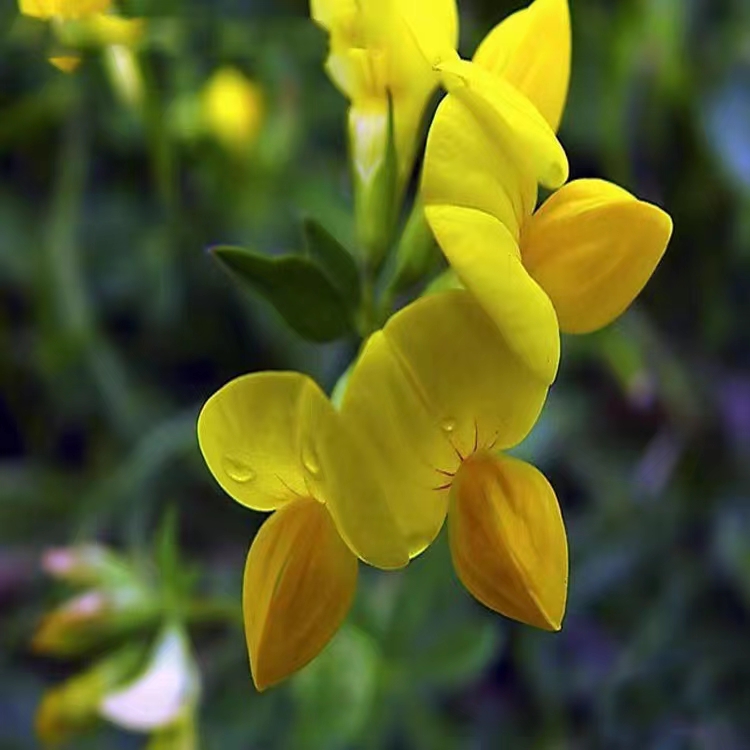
115, 326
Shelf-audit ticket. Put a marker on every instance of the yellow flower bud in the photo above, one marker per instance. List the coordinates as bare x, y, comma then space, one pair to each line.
233, 109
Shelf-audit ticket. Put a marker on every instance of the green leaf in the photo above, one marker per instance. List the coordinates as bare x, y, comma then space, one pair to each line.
458, 656
335, 260
299, 290
335, 693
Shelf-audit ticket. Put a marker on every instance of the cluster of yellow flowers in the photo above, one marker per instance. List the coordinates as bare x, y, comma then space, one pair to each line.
455, 378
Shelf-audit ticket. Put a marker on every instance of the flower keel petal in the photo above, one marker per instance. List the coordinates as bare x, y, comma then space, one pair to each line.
299, 583
508, 541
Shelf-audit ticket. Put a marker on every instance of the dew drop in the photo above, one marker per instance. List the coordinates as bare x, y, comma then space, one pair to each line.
238, 469
310, 460
448, 425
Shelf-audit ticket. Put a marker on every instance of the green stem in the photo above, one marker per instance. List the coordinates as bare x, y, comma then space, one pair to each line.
210, 611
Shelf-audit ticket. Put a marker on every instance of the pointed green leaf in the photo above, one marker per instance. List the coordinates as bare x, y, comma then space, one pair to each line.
299, 290
335, 260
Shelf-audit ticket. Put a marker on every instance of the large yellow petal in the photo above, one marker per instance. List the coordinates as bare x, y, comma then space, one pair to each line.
464, 166
508, 541
432, 23
592, 247
510, 119
271, 437
250, 433
437, 382
299, 583
485, 257
531, 50
340, 469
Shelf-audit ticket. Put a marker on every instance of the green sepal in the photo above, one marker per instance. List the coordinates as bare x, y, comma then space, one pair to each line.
335, 260
296, 286
417, 255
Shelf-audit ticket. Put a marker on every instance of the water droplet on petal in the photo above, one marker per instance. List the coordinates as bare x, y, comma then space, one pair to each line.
238, 469
310, 460
448, 425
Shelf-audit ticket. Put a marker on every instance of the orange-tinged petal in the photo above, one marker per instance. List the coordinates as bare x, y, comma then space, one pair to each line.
486, 258
592, 247
508, 540
531, 50
300, 580
436, 382
509, 117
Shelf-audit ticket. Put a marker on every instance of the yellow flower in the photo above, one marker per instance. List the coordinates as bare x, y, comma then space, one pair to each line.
63, 9
576, 263
439, 393
66, 63
374, 55
102, 30
233, 109
274, 442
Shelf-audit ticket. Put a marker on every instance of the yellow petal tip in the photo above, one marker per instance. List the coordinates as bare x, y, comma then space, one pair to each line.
299, 583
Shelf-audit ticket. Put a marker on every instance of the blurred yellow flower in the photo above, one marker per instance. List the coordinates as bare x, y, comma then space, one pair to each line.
106, 29
66, 63
233, 109
580, 260
63, 9
274, 442
438, 393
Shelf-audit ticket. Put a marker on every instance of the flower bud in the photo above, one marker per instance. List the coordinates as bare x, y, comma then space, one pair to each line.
87, 565
375, 179
95, 617
233, 109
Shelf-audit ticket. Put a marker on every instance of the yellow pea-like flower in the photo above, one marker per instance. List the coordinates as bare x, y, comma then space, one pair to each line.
66, 63
577, 262
373, 55
439, 394
233, 109
273, 441
63, 9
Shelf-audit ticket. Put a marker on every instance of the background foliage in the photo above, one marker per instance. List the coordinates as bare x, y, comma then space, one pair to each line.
115, 325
